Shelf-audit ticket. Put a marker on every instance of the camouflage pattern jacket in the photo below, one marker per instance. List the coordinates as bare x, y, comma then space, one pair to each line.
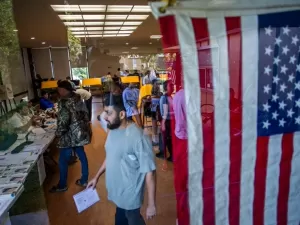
73, 127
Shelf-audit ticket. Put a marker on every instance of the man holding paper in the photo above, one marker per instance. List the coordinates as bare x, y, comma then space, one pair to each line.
129, 164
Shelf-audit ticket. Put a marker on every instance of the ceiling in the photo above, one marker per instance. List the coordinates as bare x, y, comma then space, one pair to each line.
36, 18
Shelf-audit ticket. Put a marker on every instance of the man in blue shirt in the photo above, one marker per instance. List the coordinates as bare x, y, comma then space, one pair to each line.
130, 99
45, 103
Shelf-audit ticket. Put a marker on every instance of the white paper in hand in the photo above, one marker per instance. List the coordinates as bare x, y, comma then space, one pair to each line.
86, 199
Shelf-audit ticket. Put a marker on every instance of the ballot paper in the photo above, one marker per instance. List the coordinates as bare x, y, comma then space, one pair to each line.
86, 199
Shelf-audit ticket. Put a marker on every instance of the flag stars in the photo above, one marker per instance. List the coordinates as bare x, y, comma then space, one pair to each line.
275, 97
266, 124
284, 69
298, 103
267, 89
276, 79
276, 60
267, 70
278, 41
285, 50
282, 105
286, 30
290, 95
283, 87
290, 113
275, 115
291, 77
293, 59
298, 68
266, 107
268, 31
295, 40
268, 50
297, 85
282, 122
297, 120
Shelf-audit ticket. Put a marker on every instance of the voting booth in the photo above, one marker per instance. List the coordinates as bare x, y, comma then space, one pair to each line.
236, 128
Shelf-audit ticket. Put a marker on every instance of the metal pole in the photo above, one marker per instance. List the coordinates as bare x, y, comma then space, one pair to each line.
51, 63
70, 67
87, 61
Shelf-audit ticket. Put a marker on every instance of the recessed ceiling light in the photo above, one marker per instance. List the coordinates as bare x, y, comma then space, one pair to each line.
43, 43
134, 48
130, 23
110, 32
95, 32
15, 30
112, 28
70, 17
93, 17
84, 28
89, 36
119, 8
125, 31
128, 28
116, 17
109, 35
94, 28
141, 8
156, 36
137, 17
74, 23
150, 43
65, 8
79, 32
82, 23
127, 43
92, 8
123, 35
32, 38
113, 23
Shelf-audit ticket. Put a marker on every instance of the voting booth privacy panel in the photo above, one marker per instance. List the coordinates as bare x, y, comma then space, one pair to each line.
240, 65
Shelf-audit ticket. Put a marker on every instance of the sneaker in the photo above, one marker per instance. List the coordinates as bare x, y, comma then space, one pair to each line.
78, 182
56, 189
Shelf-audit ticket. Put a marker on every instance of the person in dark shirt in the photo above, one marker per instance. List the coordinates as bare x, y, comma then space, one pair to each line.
45, 103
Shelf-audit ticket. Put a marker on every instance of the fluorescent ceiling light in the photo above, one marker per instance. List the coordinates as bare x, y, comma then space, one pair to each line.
93, 17
109, 35
82, 36
125, 31
119, 8
128, 28
127, 23
95, 32
79, 32
113, 23
156, 36
65, 8
125, 52
141, 8
112, 28
85, 28
95, 35
92, 8
110, 32
137, 17
116, 17
123, 35
134, 48
81, 23
70, 17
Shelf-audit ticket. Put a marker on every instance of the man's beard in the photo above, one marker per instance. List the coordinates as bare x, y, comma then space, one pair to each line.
115, 124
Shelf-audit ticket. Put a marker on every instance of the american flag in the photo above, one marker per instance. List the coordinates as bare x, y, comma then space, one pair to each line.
244, 164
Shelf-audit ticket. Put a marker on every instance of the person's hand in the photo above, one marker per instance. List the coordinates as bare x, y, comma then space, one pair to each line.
163, 126
92, 183
151, 211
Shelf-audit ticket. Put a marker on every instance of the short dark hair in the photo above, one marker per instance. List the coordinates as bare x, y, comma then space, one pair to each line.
44, 93
165, 85
115, 101
65, 84
119, 69
68, 78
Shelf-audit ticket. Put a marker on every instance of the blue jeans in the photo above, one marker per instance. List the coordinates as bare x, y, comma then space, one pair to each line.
64, 157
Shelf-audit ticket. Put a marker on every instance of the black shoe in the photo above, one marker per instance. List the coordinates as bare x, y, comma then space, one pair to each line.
170, 159
78, 182
56, 189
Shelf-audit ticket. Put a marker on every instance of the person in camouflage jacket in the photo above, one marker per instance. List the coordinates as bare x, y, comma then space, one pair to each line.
73, 132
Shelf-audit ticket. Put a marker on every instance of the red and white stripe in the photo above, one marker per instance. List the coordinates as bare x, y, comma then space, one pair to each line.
245, 179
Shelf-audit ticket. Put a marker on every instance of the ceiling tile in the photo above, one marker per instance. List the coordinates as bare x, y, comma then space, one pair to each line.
119, 8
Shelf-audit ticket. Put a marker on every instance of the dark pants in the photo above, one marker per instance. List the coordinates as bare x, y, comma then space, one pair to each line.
129, 217
167, 137
64, 158
88, 104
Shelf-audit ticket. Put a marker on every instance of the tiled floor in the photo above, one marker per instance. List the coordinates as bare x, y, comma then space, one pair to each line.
62, 210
